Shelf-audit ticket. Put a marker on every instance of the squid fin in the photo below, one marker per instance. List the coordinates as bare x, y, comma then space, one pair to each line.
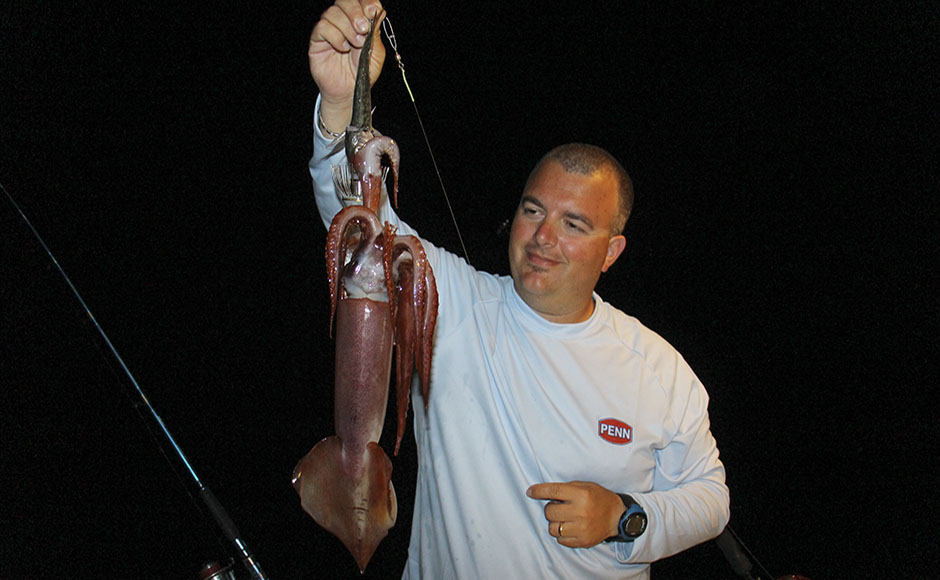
351, 497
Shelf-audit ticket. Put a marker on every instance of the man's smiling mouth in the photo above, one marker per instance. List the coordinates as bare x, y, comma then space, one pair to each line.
540, 262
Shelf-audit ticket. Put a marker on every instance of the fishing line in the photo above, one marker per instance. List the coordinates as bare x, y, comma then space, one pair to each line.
393, 42
215, 508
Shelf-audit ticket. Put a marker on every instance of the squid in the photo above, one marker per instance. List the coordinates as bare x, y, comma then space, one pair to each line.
383, 297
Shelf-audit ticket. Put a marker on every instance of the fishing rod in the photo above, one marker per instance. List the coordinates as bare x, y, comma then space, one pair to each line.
742, 560
215, 508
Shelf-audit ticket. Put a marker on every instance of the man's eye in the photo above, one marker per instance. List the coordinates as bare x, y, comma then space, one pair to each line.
574, 226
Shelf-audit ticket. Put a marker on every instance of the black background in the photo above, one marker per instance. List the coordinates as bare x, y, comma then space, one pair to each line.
784, 239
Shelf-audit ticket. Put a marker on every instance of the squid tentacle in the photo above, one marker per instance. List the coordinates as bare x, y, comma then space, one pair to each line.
415, 299
405, 340
368, 164
427, 335
338, 244
386, 260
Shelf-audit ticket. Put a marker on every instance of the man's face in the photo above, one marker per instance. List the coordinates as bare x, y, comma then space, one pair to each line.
561, 241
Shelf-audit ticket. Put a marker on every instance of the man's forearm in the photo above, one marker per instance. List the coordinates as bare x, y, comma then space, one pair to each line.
320, 164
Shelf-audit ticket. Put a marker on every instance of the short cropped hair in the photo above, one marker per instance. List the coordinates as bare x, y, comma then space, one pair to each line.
584, 159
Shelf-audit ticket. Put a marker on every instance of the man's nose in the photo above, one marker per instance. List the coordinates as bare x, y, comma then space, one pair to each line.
545, 234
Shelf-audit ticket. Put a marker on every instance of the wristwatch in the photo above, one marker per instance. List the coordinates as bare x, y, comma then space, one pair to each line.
632, 522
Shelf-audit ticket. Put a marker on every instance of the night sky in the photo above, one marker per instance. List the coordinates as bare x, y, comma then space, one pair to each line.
784, 240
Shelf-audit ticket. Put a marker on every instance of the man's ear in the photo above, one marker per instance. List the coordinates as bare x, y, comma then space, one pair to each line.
615, 247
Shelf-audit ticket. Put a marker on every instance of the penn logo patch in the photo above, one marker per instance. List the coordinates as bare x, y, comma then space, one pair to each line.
615, 431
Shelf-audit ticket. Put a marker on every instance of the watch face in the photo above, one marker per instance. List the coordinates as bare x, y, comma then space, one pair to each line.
634, 525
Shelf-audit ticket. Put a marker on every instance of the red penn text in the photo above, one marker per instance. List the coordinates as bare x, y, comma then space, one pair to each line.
615, 431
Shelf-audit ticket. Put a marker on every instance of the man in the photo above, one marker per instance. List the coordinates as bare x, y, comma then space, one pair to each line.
563, 438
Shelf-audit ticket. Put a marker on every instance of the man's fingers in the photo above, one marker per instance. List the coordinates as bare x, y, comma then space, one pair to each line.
557, 511
336, 29
356, 9
345, 25
566, 533
358, 14
550, 490
577, 511
327, 38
